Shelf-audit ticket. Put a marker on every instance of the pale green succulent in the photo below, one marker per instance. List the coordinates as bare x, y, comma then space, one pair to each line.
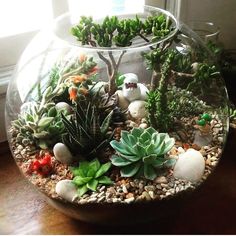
89, 175
141, 152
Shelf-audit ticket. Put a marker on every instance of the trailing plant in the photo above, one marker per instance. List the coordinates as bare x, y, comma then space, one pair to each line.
142, 152
113, 32
86, 132
89, 175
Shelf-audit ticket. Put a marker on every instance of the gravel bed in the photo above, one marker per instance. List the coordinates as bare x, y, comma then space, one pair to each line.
127, 190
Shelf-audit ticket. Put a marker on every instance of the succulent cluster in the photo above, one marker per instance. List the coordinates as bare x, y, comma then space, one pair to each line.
89, 175
86, 133
40, 125
119, 32
141, 152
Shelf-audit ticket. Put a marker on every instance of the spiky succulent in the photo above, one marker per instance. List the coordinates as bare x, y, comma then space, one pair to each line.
89, 175
86, 133
141, 152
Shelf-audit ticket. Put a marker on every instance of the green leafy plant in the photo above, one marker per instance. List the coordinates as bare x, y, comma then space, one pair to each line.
86, 133
112, 32
89, 175
141, 152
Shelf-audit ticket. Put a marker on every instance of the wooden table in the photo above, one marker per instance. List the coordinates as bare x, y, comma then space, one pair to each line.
211, 211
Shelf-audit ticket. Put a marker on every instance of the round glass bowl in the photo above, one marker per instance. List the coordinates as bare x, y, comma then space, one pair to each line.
117, 118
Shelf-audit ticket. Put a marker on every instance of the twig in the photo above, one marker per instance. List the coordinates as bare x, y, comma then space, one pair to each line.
180, 74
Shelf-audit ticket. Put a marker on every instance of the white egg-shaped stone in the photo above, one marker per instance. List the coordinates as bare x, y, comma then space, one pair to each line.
62, 153
63, 106
67, 190
137, 109
190, 166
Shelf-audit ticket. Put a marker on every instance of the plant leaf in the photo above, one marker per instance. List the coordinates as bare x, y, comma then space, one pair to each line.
136, 132
45, 121
82, 190
77, 171
95, 164
104, 180
159, 162
106, 122
130, 170
79, 180
103, 169
169, 144
119, 147
92, 184
149, 172
42, 134
119, 161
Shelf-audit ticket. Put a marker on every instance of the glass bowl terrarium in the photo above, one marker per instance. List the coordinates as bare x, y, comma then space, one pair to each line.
116, 116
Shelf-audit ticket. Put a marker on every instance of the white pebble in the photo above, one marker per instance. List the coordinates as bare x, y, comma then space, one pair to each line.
180, 150
63, 106
67, 190
143, 125
137, 109
190, 166
62, 153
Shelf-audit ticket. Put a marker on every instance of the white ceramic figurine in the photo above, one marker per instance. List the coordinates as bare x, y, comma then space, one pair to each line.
132, 90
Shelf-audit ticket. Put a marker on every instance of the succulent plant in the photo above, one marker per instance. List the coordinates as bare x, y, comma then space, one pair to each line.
141, 152
89, 175
40, 125
183, 103
104, 103
85, 134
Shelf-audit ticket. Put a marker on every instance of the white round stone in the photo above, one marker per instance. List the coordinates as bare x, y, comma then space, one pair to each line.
63, 106
190, 166
137, 109
67, 190
195, 66
62, 153
143, 125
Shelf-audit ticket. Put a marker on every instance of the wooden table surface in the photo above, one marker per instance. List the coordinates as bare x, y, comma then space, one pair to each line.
211, 211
